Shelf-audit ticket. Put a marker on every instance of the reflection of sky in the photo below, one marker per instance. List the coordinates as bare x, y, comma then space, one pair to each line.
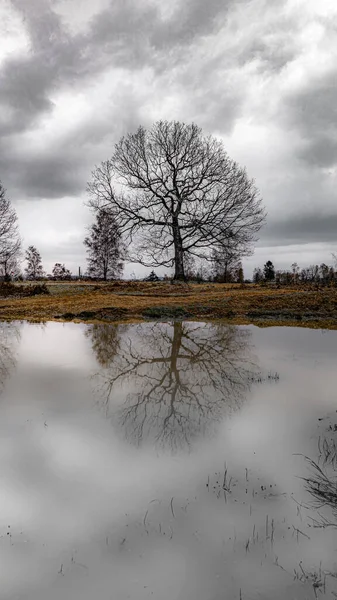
76, 494
56, 345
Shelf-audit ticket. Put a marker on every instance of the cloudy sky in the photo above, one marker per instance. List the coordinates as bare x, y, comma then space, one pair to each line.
75, 75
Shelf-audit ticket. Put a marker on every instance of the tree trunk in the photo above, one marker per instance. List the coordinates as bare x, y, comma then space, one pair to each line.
179, 273
176, 345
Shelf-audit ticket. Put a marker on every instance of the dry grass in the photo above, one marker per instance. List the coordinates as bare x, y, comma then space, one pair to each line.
137, 300
323, 488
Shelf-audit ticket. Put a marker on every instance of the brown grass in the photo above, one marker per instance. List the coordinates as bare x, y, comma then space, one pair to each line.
137, 300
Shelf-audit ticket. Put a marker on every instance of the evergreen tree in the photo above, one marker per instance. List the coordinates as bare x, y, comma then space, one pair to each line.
152, 277
269, 271
104, 247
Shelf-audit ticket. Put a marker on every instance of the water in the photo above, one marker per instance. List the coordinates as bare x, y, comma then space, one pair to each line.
164, 461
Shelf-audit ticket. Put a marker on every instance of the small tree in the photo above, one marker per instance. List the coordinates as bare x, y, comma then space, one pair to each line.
104, 247
190, 268
332, 275
239, 274
269, 271
226, 263
152, 277
324, 273
60, 272
34, 269
295, 270
257, 275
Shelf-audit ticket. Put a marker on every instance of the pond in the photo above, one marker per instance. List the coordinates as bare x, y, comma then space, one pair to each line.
165, 461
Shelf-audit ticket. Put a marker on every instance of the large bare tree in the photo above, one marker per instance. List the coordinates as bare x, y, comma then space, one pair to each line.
10, 242
175, 192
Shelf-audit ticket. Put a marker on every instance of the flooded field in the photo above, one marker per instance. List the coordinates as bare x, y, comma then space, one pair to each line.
166, 461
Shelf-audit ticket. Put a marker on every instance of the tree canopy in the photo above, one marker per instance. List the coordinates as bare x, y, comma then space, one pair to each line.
175, 192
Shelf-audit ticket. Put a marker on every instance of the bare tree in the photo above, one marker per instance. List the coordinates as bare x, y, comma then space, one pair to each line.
179, 194
10, 242
34, 269
225, 263
10, 261
334, 256
104, 247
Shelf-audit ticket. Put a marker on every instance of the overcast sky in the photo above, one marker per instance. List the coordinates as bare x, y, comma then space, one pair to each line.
75, 75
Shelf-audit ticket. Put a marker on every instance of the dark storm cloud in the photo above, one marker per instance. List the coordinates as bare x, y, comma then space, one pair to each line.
27, 81
190, 20
46, 174
270, 58
51, 177
313, 111
124, 35
57, 59
299, 229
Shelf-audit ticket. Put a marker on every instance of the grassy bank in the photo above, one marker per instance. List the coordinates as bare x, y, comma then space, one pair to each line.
136, 300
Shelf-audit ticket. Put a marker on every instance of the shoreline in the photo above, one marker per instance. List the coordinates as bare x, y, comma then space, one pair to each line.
143, 301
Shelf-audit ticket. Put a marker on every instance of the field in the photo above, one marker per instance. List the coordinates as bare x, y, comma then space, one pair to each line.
120, 301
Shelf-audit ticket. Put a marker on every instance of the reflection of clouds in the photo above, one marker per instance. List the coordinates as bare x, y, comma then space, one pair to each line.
9, 339
80, 495
183, 377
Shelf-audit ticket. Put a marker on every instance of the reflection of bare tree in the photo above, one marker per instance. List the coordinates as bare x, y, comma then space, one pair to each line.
9, 337
177, 380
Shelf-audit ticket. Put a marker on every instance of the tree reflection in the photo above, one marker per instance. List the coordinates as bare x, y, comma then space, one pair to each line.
104, 341
9, 337
170, 383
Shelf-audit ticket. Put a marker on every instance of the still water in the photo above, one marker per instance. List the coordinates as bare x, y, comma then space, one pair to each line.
164, 461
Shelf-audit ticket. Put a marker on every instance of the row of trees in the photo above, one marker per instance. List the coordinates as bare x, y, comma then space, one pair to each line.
11, 248
34, 269
317, 274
